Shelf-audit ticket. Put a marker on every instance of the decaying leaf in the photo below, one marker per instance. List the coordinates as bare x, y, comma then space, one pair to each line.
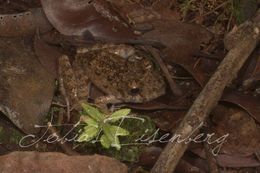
244, 136
47, 55
25, 89
182, 41
24, 23
93, 19
247, 102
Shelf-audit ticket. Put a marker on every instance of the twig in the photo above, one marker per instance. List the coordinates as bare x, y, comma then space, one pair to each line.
257, 154
208, 98
57, 104
64, 93
212, 163
174, 87
211, 11
229, 21
181, 78
62, 143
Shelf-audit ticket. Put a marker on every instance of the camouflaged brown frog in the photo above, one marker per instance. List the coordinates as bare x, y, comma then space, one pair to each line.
123, 73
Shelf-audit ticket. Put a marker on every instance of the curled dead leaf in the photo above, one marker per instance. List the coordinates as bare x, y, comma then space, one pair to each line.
92, 19
23, 23
25, 90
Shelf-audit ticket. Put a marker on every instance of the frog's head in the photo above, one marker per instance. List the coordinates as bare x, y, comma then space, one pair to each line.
145, 89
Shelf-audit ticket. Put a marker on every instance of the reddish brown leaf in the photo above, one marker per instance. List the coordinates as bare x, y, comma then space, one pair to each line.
135, 13
182, 41
237, 161
25, 90
23, 23
92, 19
243, 131
149, 155
47, 55
247, 102
231, 161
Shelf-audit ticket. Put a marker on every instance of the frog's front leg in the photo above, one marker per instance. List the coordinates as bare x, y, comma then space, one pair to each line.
107, 99
103, 101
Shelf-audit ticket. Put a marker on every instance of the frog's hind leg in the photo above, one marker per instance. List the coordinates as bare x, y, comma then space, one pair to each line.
67, 83
82, 82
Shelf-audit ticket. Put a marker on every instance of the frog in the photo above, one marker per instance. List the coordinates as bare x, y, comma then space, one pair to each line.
123, 73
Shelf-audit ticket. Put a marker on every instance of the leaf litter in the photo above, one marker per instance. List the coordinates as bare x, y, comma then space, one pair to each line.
191, 52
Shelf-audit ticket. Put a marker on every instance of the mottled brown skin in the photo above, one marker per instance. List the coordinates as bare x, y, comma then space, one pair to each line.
132, 79
74, 85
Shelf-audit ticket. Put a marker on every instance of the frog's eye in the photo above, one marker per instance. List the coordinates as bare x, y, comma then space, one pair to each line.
135, 91
134, 88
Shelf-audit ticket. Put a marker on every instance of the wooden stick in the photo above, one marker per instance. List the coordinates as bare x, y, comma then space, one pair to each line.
208, 99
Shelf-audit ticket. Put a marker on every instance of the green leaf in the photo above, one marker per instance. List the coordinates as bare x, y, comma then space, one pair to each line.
89, 133
105, 142
116, 143
107, 131
91, 122
92, 112
111, 132
118, 131
119, 114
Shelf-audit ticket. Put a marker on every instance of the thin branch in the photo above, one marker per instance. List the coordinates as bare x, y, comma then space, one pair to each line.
212, 163
174, 87
62, 142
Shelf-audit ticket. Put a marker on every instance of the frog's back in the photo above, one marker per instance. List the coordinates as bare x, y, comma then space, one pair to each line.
128, 79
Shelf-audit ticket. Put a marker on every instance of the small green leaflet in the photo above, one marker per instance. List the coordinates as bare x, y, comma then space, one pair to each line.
107, 131
92, 112
116, 143
111, 135
89, 133
118, 115
118, 131
105, 142
91, 122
